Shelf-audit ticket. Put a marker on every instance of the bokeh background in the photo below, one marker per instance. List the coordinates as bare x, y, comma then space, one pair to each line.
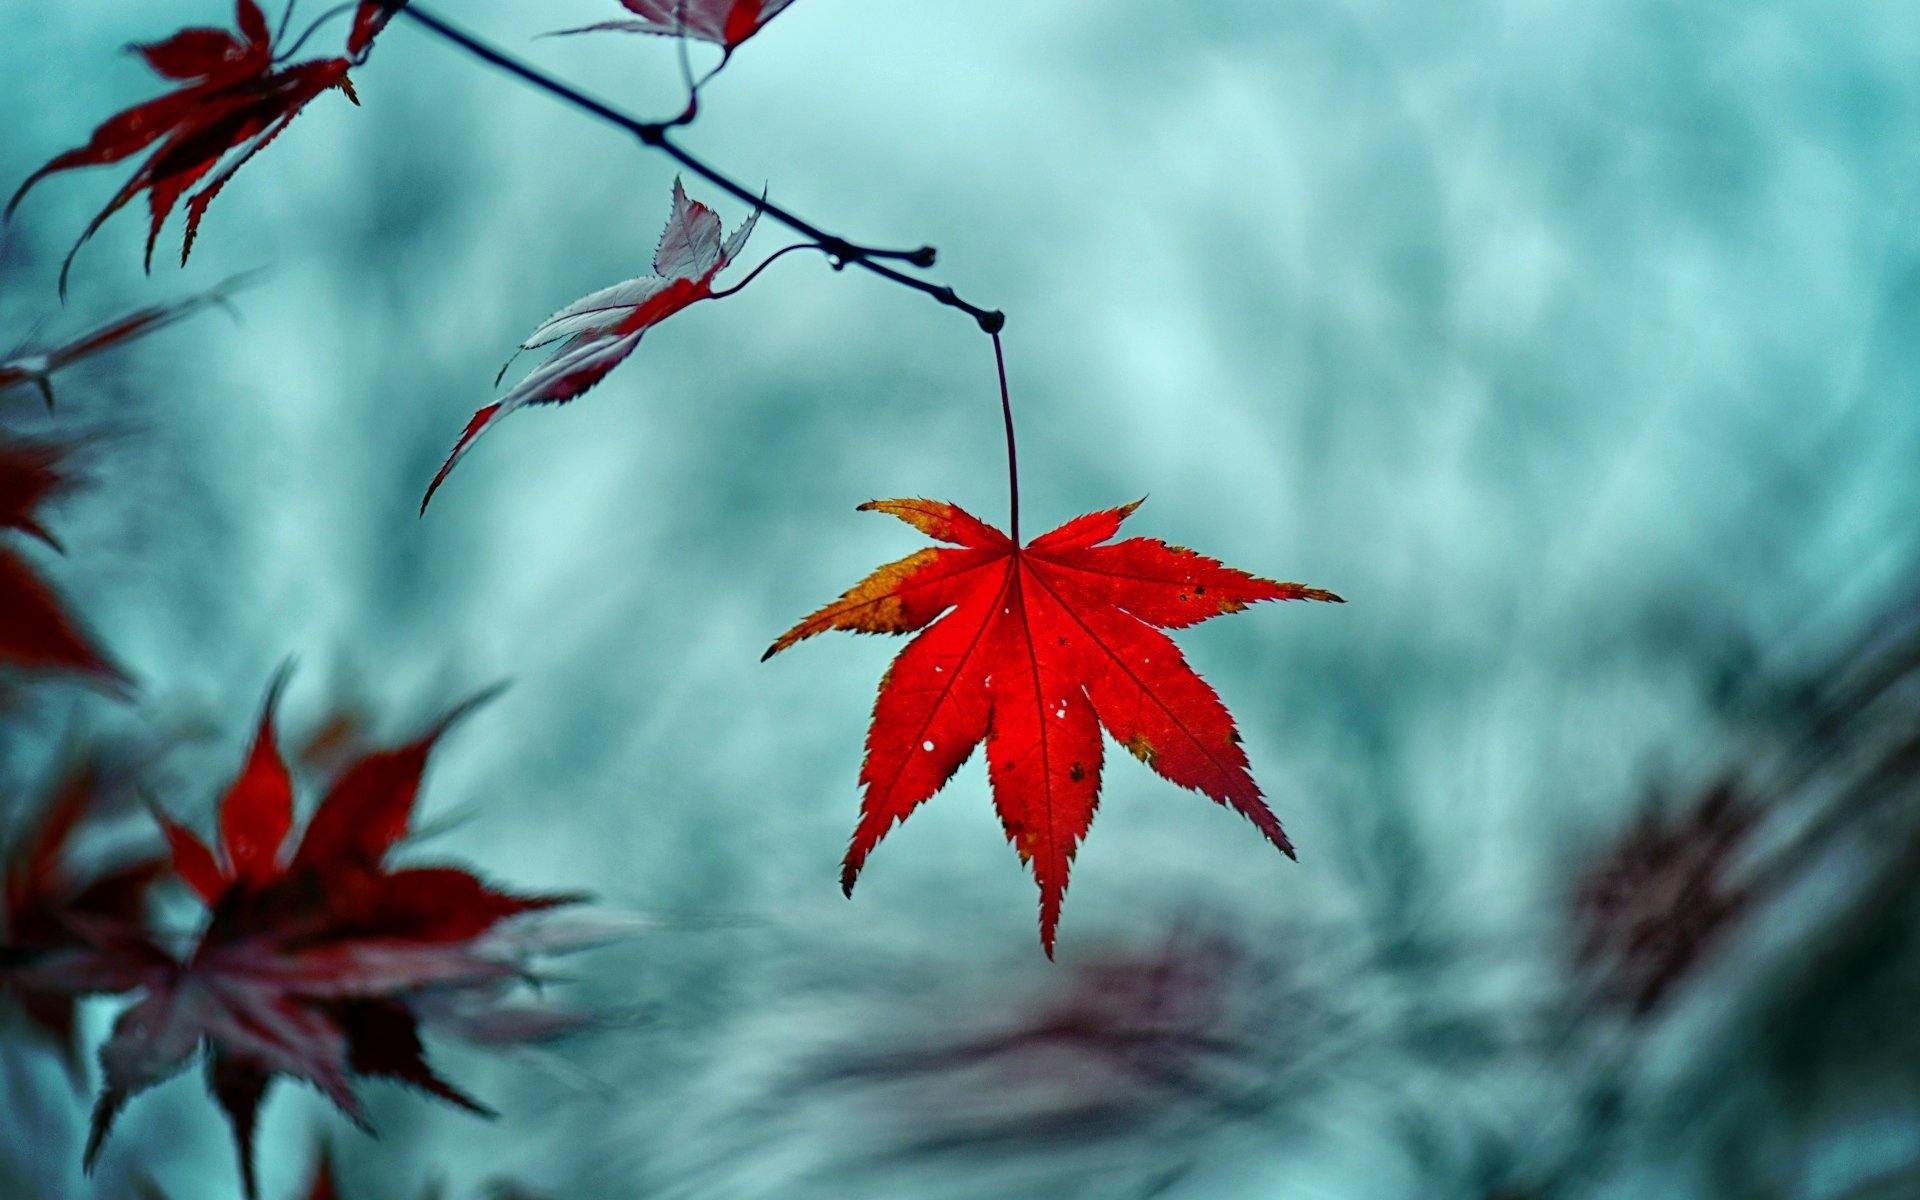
1575, 345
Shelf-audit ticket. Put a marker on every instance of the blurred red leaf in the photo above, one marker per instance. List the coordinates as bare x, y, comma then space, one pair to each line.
1034, 649
36, 631
234, 98
322, 1187
315, 948
1661, 898
52, 908
596, 332
37, 367
29, 476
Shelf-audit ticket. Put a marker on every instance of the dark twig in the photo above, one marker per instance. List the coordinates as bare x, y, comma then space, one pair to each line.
286, 19
654, 134
287, 52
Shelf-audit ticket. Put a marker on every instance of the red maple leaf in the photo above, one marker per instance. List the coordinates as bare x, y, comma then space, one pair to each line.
596, 332
315, 949
1039, 648
725, 23
36, 631
52, 908
234, 97
37, 366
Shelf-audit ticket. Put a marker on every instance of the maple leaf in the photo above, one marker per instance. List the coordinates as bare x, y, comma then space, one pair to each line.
36, 631
315, 949
1033, 650
725, 23
37, 367
50, 908
233, 99
596, 332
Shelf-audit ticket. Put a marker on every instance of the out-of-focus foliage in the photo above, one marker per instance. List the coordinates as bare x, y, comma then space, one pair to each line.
1577, 345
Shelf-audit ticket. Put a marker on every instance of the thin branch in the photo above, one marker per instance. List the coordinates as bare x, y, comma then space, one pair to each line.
286, 19
654, 134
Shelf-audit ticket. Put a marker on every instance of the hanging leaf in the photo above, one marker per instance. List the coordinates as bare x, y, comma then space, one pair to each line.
1034, 650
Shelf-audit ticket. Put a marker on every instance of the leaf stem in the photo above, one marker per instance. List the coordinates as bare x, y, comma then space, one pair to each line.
767, 262
287, 52
1013, 454
686, 68
654, 134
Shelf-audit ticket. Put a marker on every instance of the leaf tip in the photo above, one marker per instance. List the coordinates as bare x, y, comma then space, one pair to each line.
20, 194
105, 1109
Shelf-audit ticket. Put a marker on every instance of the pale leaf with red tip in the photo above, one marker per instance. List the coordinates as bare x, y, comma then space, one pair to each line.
597, 332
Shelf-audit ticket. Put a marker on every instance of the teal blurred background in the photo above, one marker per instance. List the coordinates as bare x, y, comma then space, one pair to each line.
1576, 346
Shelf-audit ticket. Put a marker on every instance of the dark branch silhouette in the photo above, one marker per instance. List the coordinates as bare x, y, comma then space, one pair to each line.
655, 134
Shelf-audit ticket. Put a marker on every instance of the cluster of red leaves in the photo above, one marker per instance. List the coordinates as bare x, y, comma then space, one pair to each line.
36, 631
596, 332
319, 960
1034, 649
234, 97
725, 23
1661, 897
